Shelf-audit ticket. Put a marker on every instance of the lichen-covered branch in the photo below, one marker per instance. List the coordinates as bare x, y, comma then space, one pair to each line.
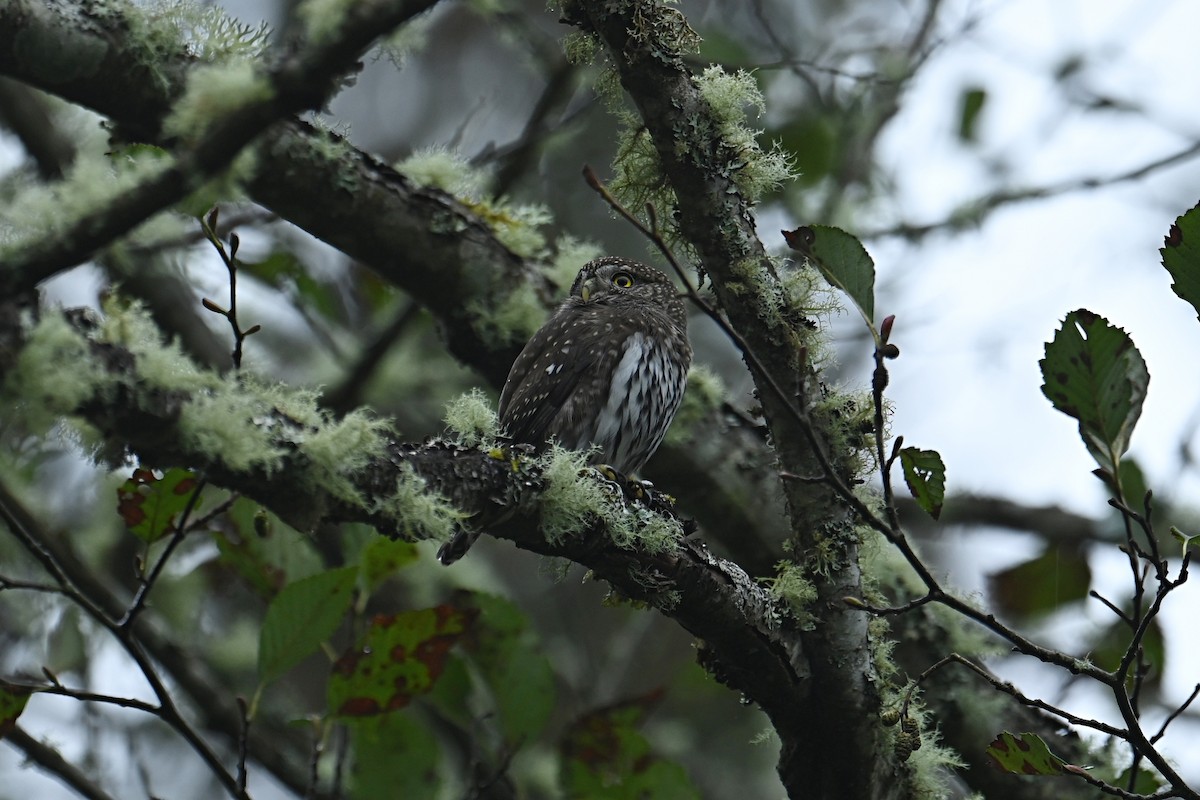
841, 751
221, 113
420, 239
275, 446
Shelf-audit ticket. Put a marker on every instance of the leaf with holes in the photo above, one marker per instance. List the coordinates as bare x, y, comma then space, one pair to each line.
12, 703
1026, 754
398, 657
149, 504
842, 261
925, 475
1181, 256
302, 616
1093, 373
605, 757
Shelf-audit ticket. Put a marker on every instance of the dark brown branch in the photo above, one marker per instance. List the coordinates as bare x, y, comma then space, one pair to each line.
52, 761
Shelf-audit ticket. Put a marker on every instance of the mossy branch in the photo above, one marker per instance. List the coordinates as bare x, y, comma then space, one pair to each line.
297, 82
275, 446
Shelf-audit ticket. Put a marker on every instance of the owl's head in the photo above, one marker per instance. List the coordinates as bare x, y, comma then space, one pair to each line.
616, 280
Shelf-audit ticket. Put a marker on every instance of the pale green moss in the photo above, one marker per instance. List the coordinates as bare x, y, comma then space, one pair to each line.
160, 364
512, 318
54, 374
574, 498
472, 419
225, 425
582, 48
421, 514
792, 587
322, 19
41, 211
729, 95
444, 169
515, 225
570, 501
212, 93
704, 394
205, 32
337, 449
570, 254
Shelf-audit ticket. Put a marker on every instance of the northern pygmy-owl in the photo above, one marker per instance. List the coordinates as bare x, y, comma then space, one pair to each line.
607, 371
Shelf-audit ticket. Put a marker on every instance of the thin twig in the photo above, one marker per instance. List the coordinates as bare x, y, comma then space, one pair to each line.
177, 536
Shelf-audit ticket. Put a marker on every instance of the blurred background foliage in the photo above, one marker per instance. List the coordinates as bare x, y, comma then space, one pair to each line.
568, 680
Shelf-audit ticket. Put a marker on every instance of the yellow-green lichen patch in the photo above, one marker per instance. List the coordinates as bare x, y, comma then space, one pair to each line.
419, 512
212, 93
231, 425
160, 364
729, 95
41, 211
792, 587
513, 317
472, 419
575, 498
54, 374
337, 449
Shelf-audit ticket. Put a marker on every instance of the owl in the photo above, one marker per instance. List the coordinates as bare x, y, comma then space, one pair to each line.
606, 371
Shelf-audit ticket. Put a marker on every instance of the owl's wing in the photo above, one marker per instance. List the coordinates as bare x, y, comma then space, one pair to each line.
540, 397
541, 383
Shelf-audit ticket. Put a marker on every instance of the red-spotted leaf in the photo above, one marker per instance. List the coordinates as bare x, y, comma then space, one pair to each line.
150, 504
1181, 256
605, 757
399, 657
1093, 373
841, 260
1024, 754
302, 616
925, 475
12, 703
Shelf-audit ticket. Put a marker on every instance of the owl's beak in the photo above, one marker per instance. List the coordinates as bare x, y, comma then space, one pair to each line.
586, 290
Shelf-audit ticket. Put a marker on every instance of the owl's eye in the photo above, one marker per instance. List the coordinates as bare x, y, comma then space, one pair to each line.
622, 280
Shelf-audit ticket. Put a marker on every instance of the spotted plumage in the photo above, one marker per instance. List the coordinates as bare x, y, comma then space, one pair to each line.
606, 371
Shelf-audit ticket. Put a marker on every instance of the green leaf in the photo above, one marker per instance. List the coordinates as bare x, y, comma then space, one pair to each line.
264, 550
12, 703
301, 617
842, 261
970, 104
518, 674
1026, 754
1185, 540
604, 757
1181, 256
1146, 782
382, 558
394, 756
149, 504
925, 475
399, 657
1108, 648
284, 271
1093, 373
1042, 584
